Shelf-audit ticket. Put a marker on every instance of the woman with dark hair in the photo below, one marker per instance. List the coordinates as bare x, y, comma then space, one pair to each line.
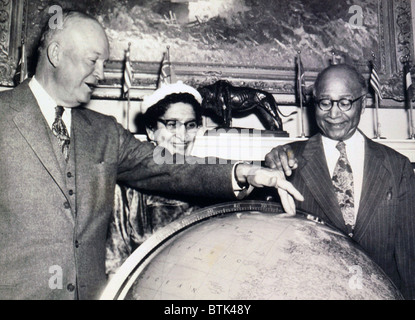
172, 116
173, 121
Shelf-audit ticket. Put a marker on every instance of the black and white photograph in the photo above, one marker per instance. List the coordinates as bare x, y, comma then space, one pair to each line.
207, 155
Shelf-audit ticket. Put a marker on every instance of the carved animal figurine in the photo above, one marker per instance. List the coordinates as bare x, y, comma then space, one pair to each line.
224, 100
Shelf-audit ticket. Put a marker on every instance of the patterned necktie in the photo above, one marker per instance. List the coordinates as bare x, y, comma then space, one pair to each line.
60, 131
343, 187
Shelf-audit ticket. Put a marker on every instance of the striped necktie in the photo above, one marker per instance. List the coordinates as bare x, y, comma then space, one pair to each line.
343, 186
60, 131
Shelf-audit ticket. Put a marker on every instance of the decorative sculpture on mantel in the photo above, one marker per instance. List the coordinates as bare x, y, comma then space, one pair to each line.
226, 100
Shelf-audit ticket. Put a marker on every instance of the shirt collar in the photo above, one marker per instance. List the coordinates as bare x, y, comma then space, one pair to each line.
355, 139
43, 98
47, 104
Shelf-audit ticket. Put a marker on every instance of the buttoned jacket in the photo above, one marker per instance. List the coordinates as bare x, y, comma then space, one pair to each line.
54, 218
385, 225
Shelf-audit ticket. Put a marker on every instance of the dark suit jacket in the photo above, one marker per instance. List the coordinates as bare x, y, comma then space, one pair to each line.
385, 226
53, 223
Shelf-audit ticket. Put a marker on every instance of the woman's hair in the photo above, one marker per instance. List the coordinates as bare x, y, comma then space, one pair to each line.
157, 110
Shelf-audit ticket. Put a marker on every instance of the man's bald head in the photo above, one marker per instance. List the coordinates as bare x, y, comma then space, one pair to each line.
72, 59
343, 73
339, 93
70, 20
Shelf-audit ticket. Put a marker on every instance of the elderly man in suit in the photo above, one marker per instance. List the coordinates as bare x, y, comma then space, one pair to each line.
361, 187
59, 163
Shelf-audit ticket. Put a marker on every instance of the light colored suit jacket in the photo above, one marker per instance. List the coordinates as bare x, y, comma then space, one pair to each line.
53, 222
385, 225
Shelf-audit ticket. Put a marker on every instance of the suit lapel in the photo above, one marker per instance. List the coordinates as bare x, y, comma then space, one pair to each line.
314, 171
33, 127
375, 173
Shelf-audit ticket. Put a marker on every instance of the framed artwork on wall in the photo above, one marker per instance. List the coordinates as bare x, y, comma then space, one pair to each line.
12, 21
248, 42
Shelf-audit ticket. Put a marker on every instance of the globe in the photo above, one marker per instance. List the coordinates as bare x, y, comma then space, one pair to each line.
249, 250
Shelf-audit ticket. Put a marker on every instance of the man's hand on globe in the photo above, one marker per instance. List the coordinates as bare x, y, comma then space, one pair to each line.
264, 177
281, 158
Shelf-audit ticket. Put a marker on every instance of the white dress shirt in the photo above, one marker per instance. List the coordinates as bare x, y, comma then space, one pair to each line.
355, 149
47, 105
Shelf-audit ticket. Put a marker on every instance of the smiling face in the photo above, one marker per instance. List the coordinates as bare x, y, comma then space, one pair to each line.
79, 54
335, 83
179, 140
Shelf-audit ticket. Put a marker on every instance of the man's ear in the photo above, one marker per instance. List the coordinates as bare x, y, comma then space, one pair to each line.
150, 133
54, 53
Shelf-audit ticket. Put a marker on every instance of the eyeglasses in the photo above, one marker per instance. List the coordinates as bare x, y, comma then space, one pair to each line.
173, 125
344, 104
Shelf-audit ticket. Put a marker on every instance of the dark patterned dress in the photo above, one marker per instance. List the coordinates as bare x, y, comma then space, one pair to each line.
136, 216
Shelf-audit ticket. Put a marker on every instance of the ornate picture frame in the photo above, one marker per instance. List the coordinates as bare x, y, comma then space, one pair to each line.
12, 28
394, 48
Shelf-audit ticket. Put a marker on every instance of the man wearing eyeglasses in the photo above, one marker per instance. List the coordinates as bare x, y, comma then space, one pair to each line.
361, 187
59, 164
